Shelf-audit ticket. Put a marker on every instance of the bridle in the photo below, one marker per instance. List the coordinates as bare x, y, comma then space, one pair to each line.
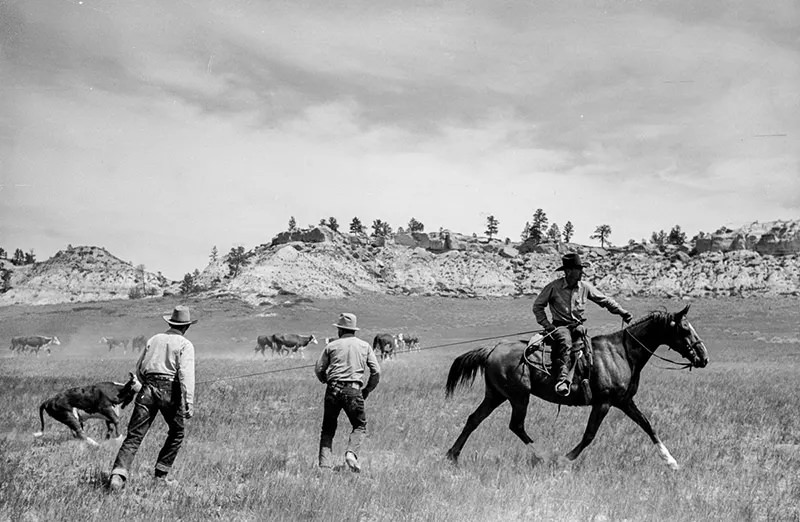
681, 365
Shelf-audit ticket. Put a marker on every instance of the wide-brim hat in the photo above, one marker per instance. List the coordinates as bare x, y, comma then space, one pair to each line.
180, 316
347, 322
572, 260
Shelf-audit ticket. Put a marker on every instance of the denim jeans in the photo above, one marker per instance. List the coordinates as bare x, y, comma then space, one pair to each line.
154, 397
349, 399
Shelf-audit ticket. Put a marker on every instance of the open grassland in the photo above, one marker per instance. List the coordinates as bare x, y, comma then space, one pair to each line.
250, 451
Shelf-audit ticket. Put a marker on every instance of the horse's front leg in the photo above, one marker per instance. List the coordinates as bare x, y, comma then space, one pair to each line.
631, 410
599, 412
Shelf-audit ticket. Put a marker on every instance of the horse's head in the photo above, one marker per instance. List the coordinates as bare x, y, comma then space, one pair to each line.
685, 341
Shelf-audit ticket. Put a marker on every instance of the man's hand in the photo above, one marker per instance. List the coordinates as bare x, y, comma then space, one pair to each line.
188, 411
549, 328
627, 317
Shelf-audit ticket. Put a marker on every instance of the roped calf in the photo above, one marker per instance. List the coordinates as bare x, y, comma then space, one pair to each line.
73, 407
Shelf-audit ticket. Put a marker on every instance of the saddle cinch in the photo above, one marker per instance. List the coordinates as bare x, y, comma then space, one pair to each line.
581, 362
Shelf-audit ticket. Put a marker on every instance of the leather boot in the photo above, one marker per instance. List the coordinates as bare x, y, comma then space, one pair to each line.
562, 376
325, 458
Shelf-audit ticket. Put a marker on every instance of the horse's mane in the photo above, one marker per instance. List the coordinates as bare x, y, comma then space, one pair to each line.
661, 316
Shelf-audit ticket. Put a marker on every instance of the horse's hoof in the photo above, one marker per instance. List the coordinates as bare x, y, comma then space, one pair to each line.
453, 458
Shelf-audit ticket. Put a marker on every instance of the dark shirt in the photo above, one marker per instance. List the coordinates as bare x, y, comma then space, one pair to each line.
568, 305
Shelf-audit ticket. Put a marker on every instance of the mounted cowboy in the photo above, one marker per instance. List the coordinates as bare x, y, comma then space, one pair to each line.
566, 298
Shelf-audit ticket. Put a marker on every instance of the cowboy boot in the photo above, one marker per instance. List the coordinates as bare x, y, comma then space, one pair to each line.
562, 375
325, 458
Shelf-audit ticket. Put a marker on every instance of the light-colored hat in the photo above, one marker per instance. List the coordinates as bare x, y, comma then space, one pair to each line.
346, 322
180, 316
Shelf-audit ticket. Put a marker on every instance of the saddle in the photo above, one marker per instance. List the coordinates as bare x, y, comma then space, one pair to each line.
537, 357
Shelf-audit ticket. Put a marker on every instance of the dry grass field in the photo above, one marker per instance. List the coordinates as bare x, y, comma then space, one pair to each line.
250, 450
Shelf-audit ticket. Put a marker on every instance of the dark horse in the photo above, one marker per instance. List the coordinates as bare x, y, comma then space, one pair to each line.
618, 361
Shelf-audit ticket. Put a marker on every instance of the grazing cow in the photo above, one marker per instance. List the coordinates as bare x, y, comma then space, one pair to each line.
36, 343
285, 344
262, 342
385, 344
139, 343
104, 400
115, 341
409, 342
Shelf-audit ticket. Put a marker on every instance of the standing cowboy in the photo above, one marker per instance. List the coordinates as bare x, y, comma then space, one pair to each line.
166, 371
341, 366
566, 298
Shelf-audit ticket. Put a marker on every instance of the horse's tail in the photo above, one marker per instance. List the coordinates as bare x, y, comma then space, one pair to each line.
466, 367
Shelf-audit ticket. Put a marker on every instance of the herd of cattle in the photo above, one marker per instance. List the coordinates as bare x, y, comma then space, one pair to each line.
283, 344
34, 343
294, 344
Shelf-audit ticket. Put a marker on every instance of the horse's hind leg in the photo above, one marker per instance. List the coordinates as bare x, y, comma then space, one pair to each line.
519, 409
490, 402
631, 410
599, 412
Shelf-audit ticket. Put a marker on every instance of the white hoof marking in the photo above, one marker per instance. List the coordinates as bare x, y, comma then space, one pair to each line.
669, 460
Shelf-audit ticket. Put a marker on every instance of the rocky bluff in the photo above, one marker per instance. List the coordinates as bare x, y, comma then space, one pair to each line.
759, 259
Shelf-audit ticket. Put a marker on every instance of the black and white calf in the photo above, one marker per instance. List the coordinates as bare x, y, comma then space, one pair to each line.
73, 407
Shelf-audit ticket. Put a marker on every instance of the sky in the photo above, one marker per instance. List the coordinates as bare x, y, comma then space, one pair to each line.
159, 130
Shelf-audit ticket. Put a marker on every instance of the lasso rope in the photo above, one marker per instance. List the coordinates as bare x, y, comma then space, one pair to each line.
307, 366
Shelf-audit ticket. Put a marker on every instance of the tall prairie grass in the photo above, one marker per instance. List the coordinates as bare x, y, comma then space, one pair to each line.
250, 452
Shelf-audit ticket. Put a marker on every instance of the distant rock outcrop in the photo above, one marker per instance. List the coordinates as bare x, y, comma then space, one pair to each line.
80, 274
770, 238
322, 263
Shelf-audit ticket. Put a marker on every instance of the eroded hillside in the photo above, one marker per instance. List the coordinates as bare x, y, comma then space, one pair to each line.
761, 259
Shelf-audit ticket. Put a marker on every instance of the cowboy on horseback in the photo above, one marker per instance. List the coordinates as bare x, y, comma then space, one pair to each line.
566, 298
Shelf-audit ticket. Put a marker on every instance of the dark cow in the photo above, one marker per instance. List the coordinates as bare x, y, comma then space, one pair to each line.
285, 344
36, 343
385, 344
139, 343
104, 400
115, 342
263, 342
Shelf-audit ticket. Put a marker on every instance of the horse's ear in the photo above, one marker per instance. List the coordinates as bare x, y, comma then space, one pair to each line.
683, 312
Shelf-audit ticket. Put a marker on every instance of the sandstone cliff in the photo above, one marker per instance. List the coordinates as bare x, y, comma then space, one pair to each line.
80, 274
320, 263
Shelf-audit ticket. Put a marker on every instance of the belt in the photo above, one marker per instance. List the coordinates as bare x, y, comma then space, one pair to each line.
159, 377
345, 384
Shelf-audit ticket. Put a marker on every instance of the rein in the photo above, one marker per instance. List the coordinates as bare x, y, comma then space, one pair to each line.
681, 365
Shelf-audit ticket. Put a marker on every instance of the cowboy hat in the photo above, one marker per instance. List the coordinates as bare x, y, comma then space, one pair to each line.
346, 322
180, 316
572, 260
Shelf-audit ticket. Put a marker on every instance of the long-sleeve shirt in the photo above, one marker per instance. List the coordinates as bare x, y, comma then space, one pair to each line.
170, 354
345, 359
567, 305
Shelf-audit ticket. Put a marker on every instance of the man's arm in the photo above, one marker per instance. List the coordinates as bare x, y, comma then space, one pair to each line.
186, 377
320, 369
374, 373
539, 305
139, 373
606, 302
